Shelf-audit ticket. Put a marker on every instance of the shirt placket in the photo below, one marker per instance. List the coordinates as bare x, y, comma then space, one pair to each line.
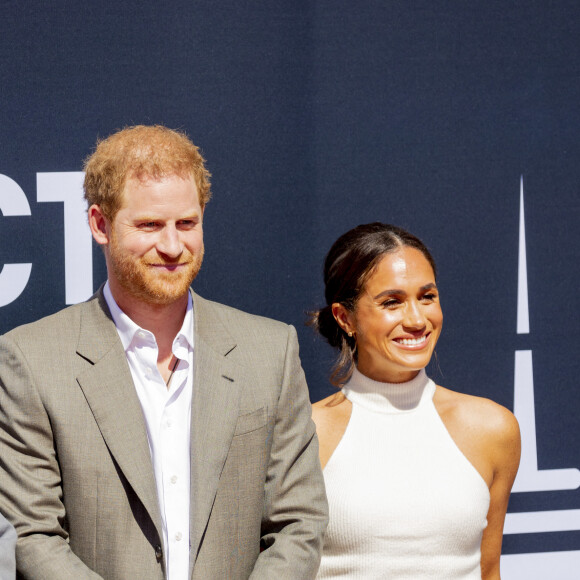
175, 474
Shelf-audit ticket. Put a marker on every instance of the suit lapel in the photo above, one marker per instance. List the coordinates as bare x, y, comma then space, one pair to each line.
109, 390
216, 401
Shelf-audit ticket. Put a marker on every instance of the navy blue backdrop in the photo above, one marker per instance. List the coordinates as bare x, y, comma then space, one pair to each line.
442, 117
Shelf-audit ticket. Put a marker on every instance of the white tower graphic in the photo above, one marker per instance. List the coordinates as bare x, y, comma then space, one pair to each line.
530, 478
537, 566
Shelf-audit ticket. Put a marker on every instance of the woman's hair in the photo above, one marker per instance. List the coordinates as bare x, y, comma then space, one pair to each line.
348, 265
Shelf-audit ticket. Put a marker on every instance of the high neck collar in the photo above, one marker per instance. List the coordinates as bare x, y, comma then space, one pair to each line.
388, 397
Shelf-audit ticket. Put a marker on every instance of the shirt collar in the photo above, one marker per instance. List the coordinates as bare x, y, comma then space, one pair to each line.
128, 331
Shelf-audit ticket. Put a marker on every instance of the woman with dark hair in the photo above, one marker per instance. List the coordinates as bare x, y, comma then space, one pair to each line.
418, 477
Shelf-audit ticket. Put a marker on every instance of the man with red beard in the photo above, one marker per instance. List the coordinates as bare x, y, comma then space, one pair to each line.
149, 433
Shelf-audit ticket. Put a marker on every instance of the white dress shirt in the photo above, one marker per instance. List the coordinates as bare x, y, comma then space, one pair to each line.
167, 413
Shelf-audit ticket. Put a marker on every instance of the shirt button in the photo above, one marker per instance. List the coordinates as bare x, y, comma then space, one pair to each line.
174, 479
178, 536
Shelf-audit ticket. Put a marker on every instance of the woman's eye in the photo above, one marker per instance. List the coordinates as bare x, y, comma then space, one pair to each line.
390, 303
429, 297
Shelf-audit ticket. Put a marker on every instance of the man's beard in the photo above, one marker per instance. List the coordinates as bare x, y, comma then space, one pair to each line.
153, 285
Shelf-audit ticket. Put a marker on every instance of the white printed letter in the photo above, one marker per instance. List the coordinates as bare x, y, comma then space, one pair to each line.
78, 250
13, 277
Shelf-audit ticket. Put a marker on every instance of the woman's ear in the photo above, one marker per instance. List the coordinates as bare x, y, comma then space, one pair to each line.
99, 225
343, 317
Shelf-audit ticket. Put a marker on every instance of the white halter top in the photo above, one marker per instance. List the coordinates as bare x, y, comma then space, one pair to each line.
404, 500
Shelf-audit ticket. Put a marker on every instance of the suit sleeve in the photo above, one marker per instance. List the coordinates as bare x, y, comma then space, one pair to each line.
30, 488
7, 544
296, 510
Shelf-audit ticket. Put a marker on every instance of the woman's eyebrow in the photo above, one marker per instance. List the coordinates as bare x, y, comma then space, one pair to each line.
399, 292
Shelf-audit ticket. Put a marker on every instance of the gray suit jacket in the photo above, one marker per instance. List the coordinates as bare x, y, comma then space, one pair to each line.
7, 544
76, 477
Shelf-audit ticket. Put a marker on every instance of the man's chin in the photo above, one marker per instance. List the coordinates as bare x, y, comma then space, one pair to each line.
154, 287
163, 294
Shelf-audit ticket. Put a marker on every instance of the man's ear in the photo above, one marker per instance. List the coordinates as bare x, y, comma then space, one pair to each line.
99, 225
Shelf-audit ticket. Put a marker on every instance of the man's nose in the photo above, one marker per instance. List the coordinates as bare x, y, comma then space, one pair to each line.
169, 242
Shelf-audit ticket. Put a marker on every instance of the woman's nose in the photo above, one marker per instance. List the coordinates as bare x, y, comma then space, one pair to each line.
414, 316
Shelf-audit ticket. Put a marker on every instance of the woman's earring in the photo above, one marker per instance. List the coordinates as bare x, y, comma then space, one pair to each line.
350, 334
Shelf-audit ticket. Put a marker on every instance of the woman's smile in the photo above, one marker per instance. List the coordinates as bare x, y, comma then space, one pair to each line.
414, 342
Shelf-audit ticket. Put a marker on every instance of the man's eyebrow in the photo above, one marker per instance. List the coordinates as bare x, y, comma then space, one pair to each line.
154, 218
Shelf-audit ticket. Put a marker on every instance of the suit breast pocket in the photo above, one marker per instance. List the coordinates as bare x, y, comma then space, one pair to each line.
249, 422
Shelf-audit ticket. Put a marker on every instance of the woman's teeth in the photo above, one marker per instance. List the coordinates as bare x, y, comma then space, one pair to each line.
412, 341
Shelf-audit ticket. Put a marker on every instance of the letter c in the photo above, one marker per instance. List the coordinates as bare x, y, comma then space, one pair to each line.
13, 277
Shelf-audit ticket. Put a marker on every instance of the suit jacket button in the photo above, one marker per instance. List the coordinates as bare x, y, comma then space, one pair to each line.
158, 553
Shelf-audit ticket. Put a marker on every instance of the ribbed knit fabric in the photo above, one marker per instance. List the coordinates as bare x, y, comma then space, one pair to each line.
404, 500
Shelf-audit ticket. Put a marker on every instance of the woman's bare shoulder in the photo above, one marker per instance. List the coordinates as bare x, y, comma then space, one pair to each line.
331, 409
476, 413
331, 416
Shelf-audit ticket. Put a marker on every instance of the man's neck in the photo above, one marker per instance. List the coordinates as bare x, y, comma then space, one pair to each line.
163, 320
